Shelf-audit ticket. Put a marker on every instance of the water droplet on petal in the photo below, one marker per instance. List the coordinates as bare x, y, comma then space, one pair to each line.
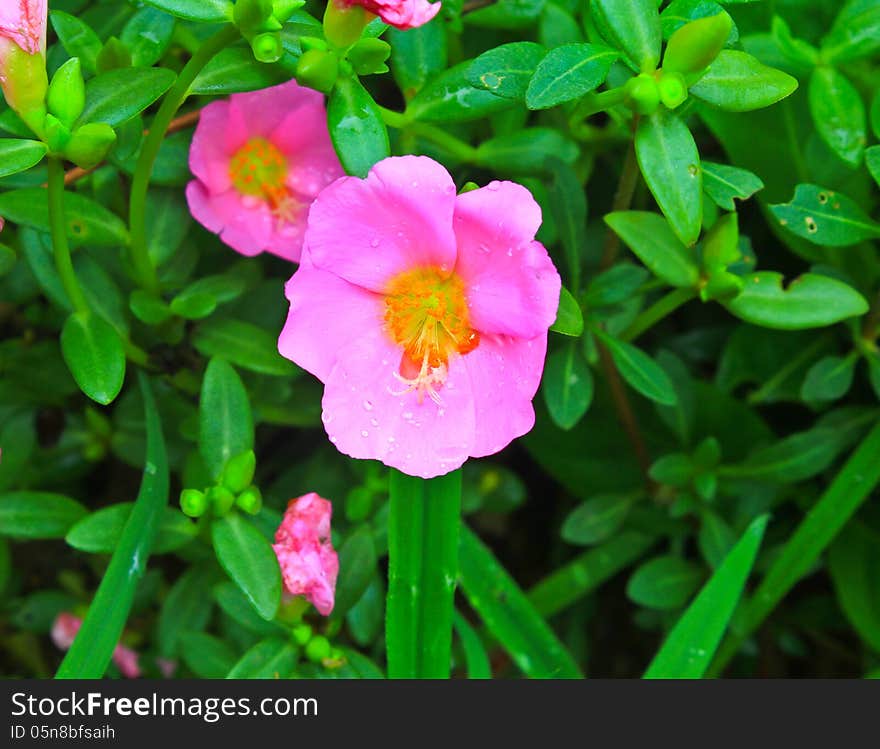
364, 433
368, 406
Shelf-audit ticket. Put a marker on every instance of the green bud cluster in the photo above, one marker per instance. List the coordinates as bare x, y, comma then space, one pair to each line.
234, 489
260, 22
720, 249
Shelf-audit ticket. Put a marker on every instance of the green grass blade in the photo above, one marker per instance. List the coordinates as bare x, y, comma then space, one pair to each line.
475, 657
93, 647
423, 526
691, 645
852, 485
586, 572
509, 615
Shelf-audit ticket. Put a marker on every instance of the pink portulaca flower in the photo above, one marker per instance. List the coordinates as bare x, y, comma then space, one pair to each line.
309, 564
425, 314
402, 14
22, 57
259, 159
64, 631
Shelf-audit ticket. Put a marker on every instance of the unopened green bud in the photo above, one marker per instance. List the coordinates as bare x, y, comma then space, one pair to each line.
312, 42
193, 503
89, 144
239, 471
56, 134
250, 500
67, 92
468, 187
302, 633
641, 94
251, 15
317, 649
673, 89
721, 246
696, 44
113, 56
267, 47
221, 499
283, 9
368, 56
343, 26
318, 70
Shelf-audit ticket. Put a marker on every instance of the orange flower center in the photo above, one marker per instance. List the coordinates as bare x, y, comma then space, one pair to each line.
427, 314
259, 169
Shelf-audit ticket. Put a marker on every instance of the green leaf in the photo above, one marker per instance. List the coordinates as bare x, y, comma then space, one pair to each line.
633, 26
810, 301
569, 318
738, 82
94, 355
357, 566
249, 560
208, 657
423, 539
825, 217
147, 35
508, 614
855, 33
17, 155
208, 11
507, 14
187, 608
664, 582
234, 70
25, 514
568, 72
272, 658
596, 519
568, 206
670, 164
475, 656
77, 38
117, 96
99, 532
417, 55
649, 237
854, 563
723, 183
691, 645
451, 98
356, 127
367, 617
88, 222
506, 70
226, 426
526, 151
872, 160
829, 378
641, 371
102, 627
238, 606
567, 386
243, 344
715, 538
838, 113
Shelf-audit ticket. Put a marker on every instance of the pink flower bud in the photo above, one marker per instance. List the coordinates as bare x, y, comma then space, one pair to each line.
24, 23
64, 631
23, 58
309, 564
402, 14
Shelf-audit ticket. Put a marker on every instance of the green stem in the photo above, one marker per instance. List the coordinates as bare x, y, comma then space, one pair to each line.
455, 146
423, 529
763, 392
140, 256
664, 306
855, 482
58, 226
595, 103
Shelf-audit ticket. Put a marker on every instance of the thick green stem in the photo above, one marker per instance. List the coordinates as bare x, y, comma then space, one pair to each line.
58, 226
140, 256
423, 529
664, 306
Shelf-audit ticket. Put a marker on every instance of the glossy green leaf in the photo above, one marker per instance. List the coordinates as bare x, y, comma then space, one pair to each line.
829, 378
208, 657
417, 54
249, 560
77, 38
664, 582
854, 563
723, 183
272, 658
209, 11
855, 33
569, 318
738, 82
872, 160
508, 614
233, 70
688, 650
568, 206
838, 113
237, 605
825, 217
810, 301
147, 35
187, 608
507, 69
633, 26
30, 514
226, 426
450, 97
596, 519
526, 151
649, 237
670, 164
679, 12
356, 127
357, 566
16, 155
242, 344
99, 532
118, 96
567, 386
568, 72
93, 647
94, 355
641, 371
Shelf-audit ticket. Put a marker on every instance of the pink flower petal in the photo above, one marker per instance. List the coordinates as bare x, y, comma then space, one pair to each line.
304, 138
326, 314
209, 155
366, 415
261, 112
247, 229
127, 661
399, 217
402, 14
505, 373
513, 287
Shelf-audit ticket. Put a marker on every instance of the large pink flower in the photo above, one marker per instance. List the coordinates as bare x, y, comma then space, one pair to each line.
260, 158
401, 14
425, 314
309, 564
64, 631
